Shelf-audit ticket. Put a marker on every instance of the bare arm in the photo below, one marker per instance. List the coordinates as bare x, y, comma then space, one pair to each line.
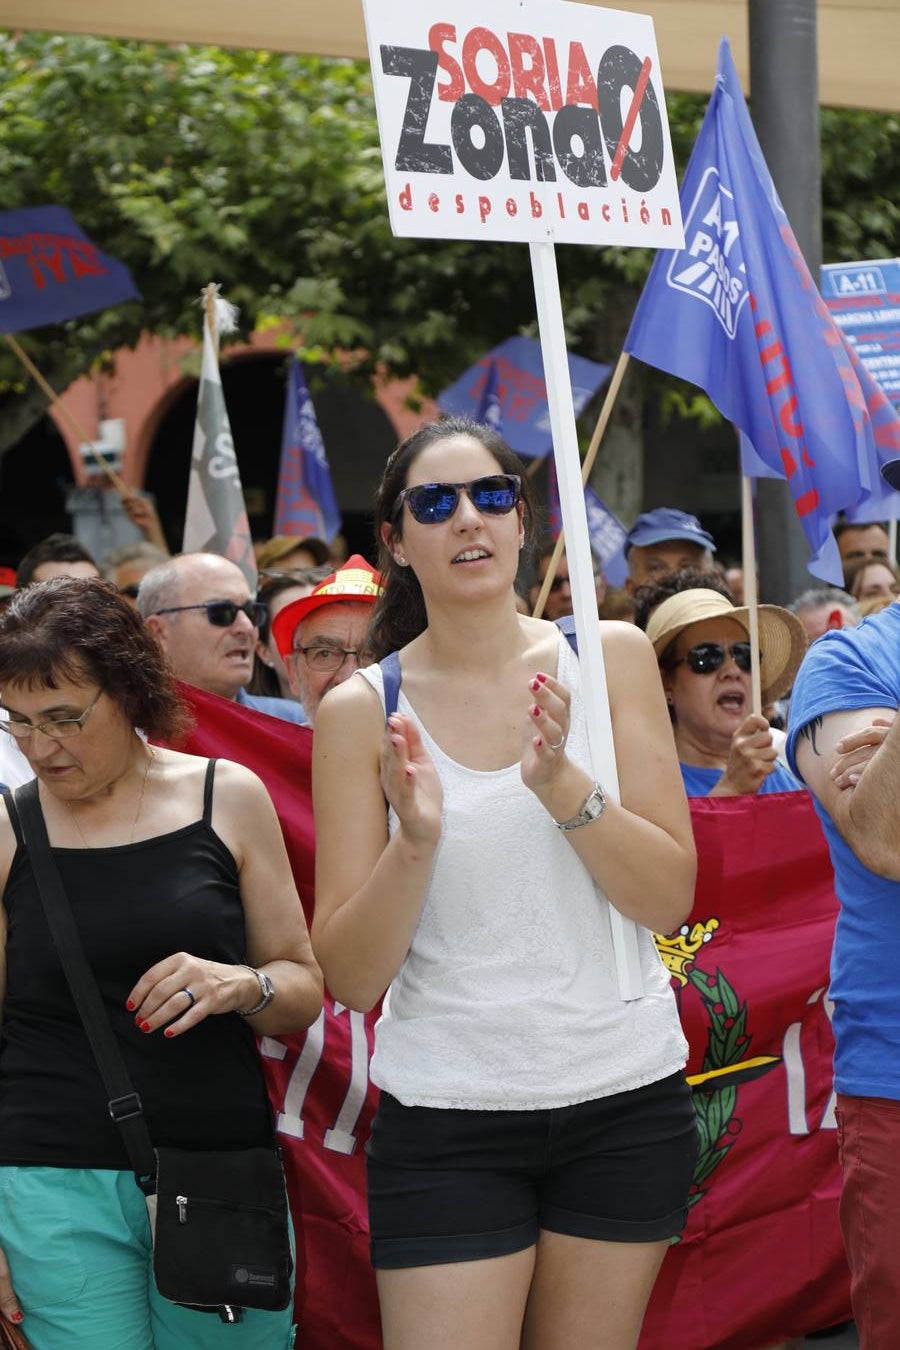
369, 887
641, 851
277, 941
866, 811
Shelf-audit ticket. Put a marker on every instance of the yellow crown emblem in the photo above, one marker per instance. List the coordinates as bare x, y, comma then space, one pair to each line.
679, 949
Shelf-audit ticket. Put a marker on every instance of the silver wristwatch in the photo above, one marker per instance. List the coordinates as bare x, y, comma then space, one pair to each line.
266, 993
592, 809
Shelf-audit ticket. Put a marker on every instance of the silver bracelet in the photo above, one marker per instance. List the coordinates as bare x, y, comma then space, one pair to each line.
266, 993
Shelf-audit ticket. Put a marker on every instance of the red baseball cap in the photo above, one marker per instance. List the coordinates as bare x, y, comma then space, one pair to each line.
357, 581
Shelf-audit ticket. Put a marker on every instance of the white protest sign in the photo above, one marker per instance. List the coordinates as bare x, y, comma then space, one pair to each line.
523, 121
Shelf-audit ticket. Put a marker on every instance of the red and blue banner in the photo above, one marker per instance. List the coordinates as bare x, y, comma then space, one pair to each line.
50, 271
305, 504
737, 313
761, 1257
512, 375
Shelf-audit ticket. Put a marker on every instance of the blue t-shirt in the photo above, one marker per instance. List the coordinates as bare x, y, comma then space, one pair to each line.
699, 782
845, 670
285, 708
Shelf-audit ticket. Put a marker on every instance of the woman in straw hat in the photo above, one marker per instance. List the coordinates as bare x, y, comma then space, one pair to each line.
702, 642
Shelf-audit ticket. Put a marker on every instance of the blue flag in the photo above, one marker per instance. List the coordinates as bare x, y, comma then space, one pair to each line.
306, 503
50, 271
605, 531
737, 313
490, 409
513, 372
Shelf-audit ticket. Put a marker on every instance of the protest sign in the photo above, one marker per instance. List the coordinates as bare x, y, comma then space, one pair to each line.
523, 122
533, 122
864, 300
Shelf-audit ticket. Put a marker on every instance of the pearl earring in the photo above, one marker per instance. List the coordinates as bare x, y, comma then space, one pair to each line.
400, 560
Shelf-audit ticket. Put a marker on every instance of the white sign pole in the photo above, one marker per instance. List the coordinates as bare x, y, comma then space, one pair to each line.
581, 573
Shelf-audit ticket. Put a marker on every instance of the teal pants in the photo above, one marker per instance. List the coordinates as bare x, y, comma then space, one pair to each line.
78, 1247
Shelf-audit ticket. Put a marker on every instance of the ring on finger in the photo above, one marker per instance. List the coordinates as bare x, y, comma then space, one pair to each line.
557, 745
190, 996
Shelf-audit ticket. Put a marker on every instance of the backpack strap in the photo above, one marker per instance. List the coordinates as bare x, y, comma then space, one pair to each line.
390, 670
566, 626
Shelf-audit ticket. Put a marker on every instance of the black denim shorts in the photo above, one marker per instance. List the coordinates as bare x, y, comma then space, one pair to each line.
451, 1185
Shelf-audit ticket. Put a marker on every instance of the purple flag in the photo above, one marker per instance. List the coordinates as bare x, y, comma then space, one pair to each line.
50, 271
737, 313
306, 503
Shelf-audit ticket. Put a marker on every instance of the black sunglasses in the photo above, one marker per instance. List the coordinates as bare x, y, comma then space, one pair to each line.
222, 613
709, 656
433, 503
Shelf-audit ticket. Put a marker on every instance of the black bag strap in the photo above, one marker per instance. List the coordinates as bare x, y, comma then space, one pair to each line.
125, 1105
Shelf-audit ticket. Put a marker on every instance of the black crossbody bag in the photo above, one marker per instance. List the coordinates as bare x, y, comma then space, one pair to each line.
219, 1220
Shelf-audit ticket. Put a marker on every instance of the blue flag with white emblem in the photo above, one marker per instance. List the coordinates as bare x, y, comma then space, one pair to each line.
737, 313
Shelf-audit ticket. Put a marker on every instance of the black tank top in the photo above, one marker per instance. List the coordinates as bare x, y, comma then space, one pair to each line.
134, 904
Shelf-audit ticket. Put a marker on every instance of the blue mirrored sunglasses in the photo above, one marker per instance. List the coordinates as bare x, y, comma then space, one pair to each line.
433, 503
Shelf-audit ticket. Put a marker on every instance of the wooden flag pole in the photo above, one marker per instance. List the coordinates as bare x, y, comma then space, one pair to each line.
751, 597
209, 303
612, 394
67, 417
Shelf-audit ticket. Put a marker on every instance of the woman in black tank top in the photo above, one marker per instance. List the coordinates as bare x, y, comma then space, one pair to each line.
178, 879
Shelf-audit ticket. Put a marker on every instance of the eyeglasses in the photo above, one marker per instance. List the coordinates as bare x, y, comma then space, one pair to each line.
433, 503
329, 659
222, 613
707, 657
57, 728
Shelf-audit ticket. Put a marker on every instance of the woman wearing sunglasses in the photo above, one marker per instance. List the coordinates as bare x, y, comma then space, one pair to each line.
534, 1143
703, 645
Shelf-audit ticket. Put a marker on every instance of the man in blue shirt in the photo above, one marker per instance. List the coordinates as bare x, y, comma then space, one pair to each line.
844, 741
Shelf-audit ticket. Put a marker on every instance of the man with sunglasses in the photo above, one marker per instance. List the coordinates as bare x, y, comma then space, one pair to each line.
200, 610
844, 741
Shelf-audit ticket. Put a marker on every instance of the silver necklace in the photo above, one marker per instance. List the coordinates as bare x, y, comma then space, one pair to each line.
140, 805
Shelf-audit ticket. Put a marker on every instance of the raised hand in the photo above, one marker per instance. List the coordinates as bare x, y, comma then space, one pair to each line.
545, 731
751, 759
410, 782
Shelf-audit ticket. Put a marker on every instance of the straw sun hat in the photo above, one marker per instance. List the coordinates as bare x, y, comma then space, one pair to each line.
782, 638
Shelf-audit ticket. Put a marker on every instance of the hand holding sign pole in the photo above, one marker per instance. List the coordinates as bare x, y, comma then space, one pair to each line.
541, 123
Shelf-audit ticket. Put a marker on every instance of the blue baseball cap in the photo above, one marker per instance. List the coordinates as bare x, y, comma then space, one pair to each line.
890, 472
655, 527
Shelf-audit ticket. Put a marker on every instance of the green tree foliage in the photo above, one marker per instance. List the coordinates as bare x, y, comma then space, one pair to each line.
263, 172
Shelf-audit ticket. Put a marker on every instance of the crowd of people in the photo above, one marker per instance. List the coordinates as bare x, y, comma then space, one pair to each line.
465, 859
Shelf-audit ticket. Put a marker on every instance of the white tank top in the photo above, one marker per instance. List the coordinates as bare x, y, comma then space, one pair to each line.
507, 998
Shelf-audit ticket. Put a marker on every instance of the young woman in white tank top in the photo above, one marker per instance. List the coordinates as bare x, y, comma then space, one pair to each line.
535, 1141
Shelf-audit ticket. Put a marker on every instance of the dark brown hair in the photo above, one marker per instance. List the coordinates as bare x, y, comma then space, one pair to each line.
69, 628
648, 598
400, 612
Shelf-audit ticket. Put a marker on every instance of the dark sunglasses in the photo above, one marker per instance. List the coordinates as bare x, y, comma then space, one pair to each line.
433, 503
709, 656
222, 613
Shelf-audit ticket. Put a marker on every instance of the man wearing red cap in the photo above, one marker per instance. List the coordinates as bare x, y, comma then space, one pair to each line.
322, 637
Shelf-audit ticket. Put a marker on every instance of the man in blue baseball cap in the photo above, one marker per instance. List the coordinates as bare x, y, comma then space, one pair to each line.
665, 540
